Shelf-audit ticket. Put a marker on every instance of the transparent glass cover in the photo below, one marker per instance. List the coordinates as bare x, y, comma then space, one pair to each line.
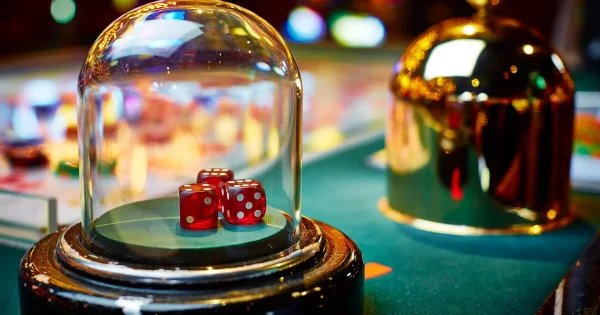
173, 88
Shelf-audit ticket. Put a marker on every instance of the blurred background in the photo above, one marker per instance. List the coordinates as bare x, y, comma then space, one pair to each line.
346, 50
58, 24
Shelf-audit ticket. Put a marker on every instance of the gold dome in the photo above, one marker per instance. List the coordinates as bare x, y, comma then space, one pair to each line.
481, 127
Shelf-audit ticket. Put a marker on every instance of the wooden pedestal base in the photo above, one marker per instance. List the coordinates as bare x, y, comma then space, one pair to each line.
329, 282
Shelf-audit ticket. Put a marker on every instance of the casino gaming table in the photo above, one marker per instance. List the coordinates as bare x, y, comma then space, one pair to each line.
411, 271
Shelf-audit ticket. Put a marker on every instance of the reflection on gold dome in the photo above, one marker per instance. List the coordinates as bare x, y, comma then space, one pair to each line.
407, 153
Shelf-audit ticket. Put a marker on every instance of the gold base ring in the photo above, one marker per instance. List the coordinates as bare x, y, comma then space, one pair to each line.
465, 230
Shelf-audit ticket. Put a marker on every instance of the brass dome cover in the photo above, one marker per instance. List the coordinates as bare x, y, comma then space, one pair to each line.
481, 128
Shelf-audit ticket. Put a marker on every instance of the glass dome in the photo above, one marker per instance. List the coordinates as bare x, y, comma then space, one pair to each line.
173, 88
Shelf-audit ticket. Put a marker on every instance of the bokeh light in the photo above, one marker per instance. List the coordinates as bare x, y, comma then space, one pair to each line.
528, 49
63, 11
41, 92
25, 123
355, 30
304, 26
324, 138
124, 5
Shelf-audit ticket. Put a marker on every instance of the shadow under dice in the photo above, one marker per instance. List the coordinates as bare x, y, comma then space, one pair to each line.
244, 202
198, 206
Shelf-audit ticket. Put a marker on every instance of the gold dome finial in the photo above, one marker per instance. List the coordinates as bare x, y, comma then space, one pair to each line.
482, 6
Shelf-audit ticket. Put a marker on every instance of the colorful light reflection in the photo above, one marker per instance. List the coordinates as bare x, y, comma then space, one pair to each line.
63, 11
174, 15
305, 26
355, 30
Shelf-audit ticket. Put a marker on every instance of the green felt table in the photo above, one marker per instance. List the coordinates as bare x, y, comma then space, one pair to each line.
431, 273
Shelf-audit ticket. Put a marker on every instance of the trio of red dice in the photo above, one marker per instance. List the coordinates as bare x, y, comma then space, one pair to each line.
242, 201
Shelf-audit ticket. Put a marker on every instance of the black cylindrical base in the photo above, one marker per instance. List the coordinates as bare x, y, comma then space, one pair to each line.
331, 283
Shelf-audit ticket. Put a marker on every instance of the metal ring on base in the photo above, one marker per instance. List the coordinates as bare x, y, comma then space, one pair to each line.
72, 252
465, 230
330, 282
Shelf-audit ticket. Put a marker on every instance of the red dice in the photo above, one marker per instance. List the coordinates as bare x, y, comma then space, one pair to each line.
216, 177
244, 202
198, 206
